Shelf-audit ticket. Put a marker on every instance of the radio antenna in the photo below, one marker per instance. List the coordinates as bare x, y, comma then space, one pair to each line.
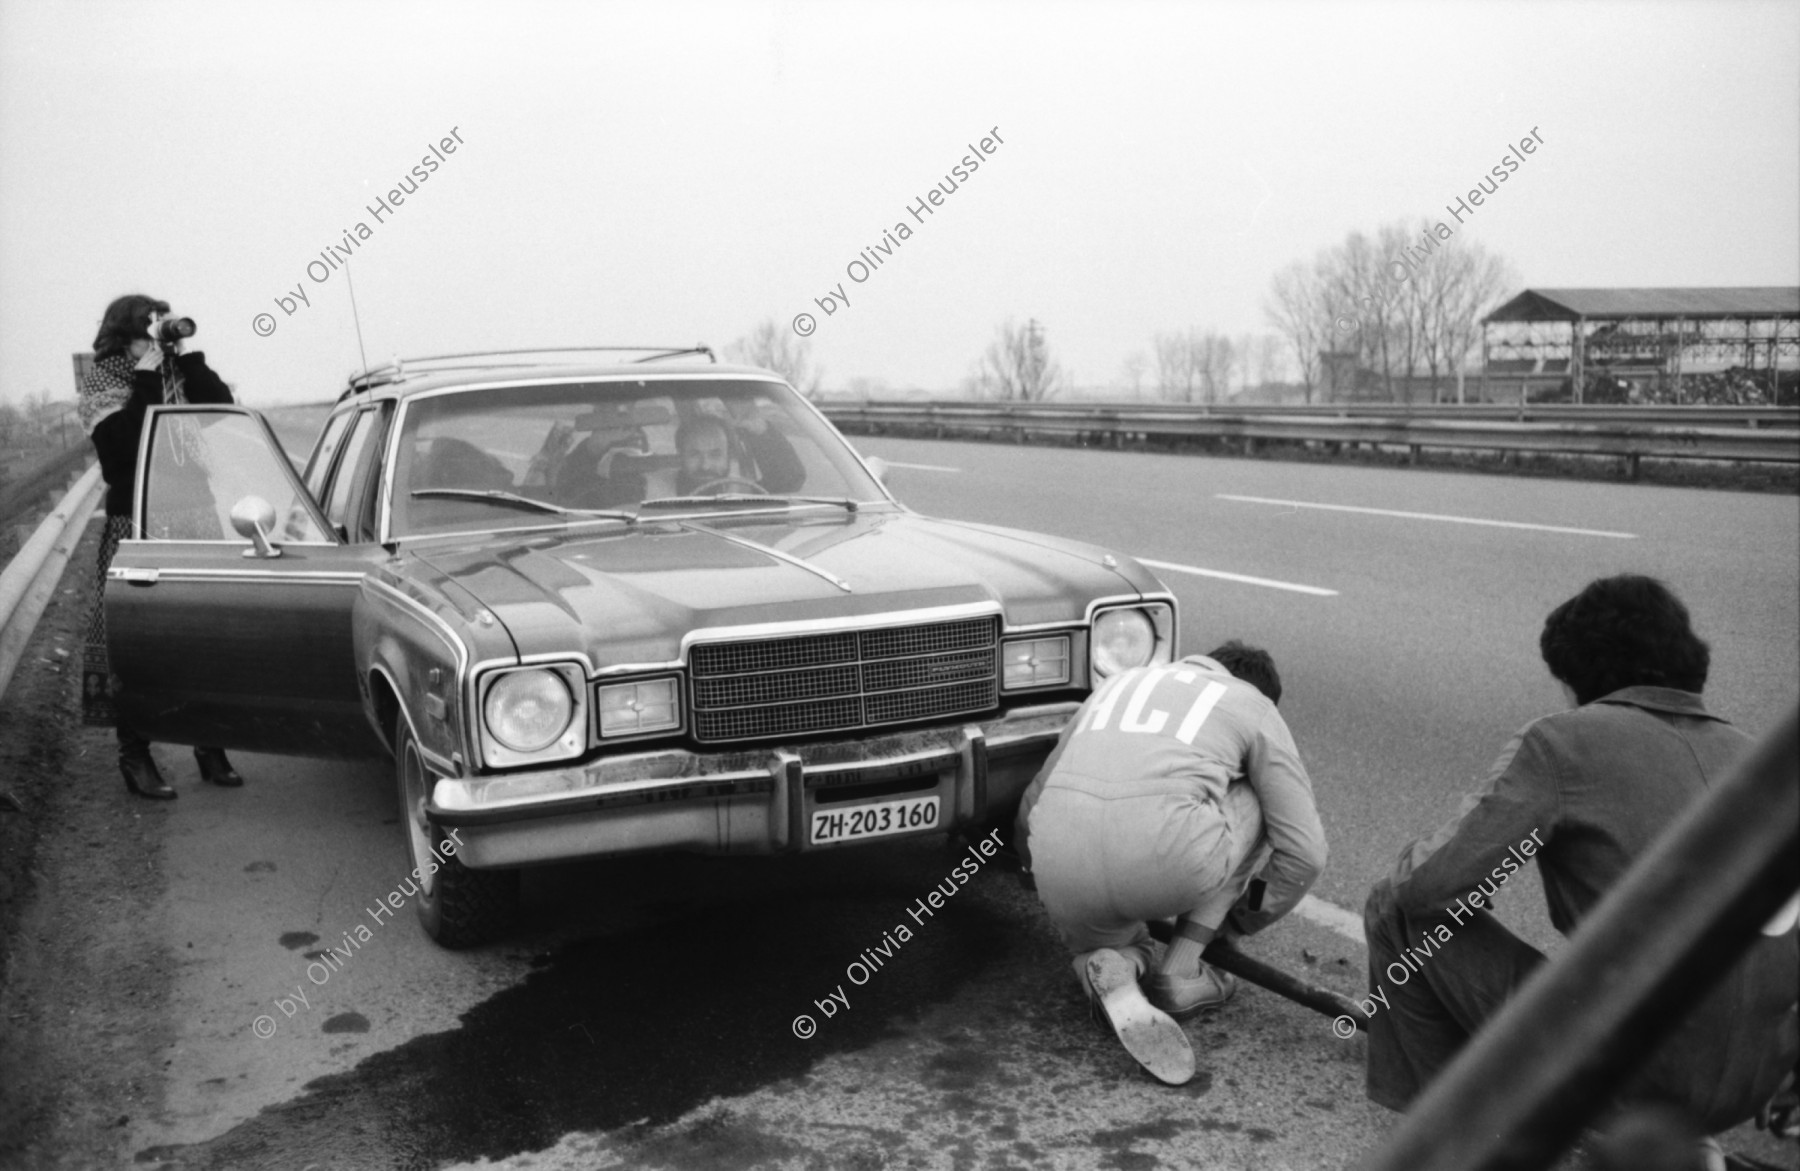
356, 317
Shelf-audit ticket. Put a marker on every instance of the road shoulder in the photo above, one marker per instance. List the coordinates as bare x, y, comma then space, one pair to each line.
87, 976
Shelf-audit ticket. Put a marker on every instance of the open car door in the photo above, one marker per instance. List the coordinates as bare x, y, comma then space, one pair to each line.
220, 636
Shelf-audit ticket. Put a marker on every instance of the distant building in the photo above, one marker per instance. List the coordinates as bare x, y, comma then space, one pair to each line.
1728, 345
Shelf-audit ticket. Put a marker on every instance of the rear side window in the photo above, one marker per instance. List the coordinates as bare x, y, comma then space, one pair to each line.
338, 506
321, 461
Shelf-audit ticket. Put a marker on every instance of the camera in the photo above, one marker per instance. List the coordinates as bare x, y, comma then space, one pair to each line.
169, 330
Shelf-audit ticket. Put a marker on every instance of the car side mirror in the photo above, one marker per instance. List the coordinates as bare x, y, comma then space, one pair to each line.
253, 518
879, 467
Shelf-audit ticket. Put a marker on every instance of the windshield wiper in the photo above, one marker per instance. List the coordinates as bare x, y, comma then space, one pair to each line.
499, 497
843, 502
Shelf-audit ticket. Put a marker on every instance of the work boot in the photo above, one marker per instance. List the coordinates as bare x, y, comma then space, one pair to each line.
1184, 996
1148, 1034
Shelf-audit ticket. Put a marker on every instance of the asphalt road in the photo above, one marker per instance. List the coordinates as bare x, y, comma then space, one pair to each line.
643, 1013
1403, 685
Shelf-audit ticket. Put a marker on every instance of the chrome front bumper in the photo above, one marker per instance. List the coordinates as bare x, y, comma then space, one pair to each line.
758, 801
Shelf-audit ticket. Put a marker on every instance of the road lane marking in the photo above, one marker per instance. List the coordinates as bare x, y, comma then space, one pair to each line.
1461, 520
894, 463
1345, 923
1239, 577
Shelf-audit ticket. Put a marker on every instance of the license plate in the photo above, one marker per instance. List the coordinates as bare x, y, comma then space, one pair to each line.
874, 821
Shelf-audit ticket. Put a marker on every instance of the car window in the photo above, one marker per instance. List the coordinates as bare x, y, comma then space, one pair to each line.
363, 513
464, 458
320, 467
201, 463
338, 505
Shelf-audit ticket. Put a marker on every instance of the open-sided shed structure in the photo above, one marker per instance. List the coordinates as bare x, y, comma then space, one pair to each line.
1645, 345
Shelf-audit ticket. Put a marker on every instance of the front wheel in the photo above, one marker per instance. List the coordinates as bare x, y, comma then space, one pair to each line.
1001, 819
458, 907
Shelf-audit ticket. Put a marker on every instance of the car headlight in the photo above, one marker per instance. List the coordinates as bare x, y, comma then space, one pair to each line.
528, 711
639, 707
1034, 662
1122, 639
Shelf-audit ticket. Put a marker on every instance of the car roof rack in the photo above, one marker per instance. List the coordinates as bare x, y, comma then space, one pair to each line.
402, 368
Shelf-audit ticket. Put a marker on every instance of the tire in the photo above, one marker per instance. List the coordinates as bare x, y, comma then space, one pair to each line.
458, 907
1002, 820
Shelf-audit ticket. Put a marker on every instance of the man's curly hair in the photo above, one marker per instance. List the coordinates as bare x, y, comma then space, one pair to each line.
1623, 631
1251, 664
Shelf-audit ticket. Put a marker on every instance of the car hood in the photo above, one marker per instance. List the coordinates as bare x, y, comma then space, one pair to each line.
628, 596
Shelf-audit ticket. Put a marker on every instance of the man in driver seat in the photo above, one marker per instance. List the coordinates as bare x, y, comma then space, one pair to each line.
718, 457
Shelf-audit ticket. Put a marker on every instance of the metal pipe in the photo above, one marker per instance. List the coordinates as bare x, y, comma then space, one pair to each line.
1679, 919
1229, 959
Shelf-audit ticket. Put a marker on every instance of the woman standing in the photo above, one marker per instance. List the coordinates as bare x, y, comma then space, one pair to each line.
138, 363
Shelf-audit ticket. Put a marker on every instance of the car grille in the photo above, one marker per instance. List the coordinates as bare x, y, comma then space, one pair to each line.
844, 680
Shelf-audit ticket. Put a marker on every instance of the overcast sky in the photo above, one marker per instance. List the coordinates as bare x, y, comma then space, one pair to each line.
674, 174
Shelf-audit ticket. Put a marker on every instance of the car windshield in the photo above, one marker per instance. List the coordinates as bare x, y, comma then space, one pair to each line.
485, 459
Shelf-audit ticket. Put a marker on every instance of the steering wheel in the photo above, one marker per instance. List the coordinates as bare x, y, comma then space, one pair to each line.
722, 481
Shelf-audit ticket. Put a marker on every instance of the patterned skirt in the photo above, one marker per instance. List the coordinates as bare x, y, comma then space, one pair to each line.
97, 683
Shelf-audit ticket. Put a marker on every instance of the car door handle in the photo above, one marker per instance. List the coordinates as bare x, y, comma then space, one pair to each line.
140, 577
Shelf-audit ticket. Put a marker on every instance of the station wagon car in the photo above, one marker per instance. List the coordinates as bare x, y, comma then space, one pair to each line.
598, 606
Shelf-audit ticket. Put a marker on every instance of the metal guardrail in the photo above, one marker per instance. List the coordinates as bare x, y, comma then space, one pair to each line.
1678, 920
1695, 415
1120, 423
28, 581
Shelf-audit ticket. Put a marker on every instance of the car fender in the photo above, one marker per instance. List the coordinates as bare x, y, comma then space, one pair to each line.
407, 646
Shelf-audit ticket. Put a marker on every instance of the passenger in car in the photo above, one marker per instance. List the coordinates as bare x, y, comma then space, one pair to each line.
1172, 788
763, 451
457, 463
604, 470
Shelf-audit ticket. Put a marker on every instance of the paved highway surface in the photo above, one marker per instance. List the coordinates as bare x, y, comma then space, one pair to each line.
643, 1013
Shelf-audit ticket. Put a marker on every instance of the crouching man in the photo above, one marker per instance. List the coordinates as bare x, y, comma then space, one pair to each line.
1583, 793
1169, 791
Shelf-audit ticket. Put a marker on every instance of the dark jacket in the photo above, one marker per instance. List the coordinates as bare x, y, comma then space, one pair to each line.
778, 468
1596, 786
116, 436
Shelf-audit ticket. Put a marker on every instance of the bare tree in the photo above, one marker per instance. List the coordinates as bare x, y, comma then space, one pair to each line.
1408, 299
1299, 310
1195, 365
774, 348
1176, 375
1357, 289
1135, 366
1213, 359
1474, 282
1405, 303
1434, 296
1017, 366
49, 418
1270, 365
1243, 360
